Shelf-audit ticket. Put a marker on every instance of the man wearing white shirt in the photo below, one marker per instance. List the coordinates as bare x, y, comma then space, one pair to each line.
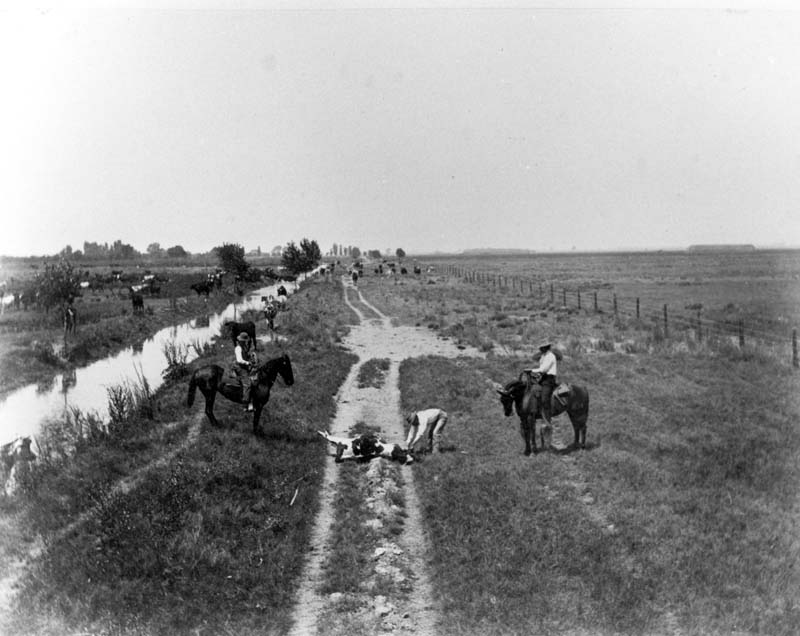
427, 424
548, 370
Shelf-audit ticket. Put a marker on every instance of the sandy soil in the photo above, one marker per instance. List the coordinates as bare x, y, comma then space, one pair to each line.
404, 557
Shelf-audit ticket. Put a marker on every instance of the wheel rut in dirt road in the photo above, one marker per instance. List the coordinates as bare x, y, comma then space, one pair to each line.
401, 558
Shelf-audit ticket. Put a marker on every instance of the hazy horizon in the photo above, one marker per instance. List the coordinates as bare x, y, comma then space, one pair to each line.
431, 129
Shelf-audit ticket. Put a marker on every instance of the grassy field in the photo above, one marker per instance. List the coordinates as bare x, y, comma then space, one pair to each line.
680, 517
209, 544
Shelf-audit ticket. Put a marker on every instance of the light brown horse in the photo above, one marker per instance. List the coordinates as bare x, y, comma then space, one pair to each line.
523, 395
212, 379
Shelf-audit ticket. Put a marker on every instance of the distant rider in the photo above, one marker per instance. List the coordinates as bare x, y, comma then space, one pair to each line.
244, 367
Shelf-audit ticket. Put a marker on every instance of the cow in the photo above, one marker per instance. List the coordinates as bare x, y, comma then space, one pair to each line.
366, 447
248, 327
204, 287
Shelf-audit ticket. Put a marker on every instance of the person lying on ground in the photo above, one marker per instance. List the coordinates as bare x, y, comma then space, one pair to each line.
366, 447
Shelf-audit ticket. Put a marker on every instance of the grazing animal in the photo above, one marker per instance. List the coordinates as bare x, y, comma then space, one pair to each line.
212, 379
204, 287
365, 448
137, 301
270, 311
248, 327
14, 456
523, 395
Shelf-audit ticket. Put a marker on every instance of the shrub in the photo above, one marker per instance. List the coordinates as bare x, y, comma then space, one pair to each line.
177, 356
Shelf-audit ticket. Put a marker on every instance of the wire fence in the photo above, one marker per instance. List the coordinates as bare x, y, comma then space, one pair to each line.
669, 321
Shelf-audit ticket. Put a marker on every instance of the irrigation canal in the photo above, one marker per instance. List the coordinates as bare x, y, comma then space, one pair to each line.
26, 410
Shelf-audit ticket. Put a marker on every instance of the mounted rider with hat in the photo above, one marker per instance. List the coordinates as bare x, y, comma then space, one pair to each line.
245, 366
547, 377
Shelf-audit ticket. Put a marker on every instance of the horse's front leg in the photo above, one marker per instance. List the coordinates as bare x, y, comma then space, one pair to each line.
257, 430
523, 430
210, 410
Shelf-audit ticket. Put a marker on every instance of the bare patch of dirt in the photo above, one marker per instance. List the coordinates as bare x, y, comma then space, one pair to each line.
406, 604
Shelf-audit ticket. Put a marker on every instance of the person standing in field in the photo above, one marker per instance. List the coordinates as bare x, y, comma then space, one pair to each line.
427, 425
244, 366
548, 379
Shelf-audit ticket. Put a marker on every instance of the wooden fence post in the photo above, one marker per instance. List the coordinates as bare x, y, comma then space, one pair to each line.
564, 295
595, 302
666, 323
637, 309
795, 364
699, 327
741, 333
579, 299
615, 304
552, 297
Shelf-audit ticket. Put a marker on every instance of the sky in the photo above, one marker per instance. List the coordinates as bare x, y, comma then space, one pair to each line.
426, 126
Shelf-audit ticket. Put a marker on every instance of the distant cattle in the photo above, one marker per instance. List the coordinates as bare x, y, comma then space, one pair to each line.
204, 287
14, 457
248, 327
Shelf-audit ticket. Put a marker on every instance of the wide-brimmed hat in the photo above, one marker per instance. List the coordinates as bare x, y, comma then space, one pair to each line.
410, 417
243, 337
544, 344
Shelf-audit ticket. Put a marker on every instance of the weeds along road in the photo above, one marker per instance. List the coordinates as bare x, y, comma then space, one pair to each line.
10, 577
405, 605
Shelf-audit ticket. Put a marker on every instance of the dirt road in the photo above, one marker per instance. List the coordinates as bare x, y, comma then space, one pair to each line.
403, 556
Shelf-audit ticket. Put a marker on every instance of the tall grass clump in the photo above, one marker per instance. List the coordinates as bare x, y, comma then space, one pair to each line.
177, 356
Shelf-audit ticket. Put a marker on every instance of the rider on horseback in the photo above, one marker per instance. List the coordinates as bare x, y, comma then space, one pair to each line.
548, 371
245, 365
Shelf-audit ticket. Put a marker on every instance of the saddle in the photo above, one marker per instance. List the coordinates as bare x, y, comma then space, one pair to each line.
560, 393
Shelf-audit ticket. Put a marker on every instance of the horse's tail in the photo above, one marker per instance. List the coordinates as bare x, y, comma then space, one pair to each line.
192, 388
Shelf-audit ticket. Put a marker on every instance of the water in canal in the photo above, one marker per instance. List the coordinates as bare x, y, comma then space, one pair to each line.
25, 410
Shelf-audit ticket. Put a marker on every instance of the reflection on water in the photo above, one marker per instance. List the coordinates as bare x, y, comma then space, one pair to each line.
24, 411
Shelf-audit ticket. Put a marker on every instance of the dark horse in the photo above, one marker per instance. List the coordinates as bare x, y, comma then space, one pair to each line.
524, 395
248, 327
213, 378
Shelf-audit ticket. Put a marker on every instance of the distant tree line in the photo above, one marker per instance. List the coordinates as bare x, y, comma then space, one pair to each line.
354, 252
119, 251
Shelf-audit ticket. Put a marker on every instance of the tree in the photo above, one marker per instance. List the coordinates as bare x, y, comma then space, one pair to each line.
374, 254
231, 258
58, 284
301, 259
311, 253
292, 259
154, 249
176, 251
356, 253
401, 253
